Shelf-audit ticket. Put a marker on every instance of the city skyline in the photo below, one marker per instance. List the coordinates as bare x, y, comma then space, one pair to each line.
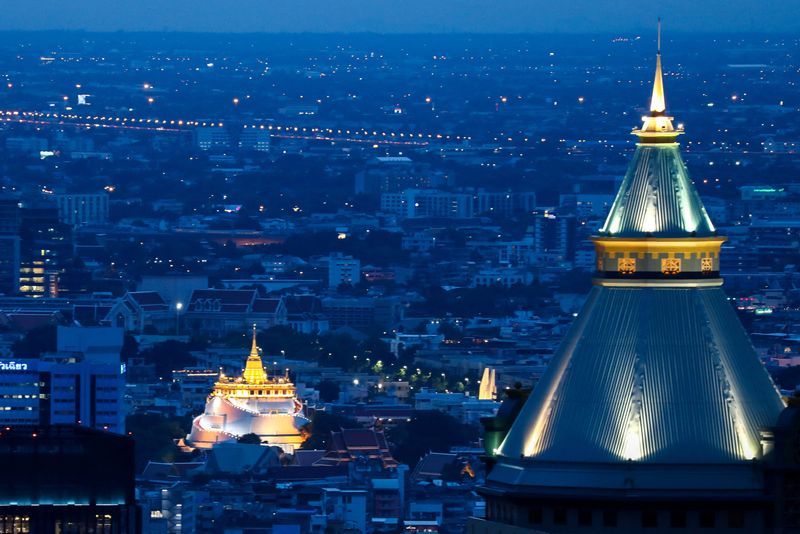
476, 301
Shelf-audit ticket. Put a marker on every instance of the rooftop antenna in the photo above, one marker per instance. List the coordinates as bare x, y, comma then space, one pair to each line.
659, 36
657, 101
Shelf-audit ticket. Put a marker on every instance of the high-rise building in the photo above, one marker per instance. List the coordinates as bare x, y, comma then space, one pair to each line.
76, 210
555, 234
343, 270
60, 479
81, 383
258, 139
393, 174
211, 138
424, 203
655, 414
46, 243
9, 245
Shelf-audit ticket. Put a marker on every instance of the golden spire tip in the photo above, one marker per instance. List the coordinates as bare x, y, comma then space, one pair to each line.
254, 348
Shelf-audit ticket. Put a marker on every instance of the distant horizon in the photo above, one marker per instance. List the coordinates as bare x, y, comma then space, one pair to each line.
400, 16
643, 33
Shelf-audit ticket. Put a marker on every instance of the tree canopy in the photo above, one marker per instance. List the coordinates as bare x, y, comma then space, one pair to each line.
429, 431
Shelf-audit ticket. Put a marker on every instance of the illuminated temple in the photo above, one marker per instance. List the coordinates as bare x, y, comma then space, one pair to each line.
251, 404
655, 414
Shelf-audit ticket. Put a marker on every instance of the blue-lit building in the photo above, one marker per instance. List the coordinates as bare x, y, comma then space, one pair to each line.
82, 383
67, 479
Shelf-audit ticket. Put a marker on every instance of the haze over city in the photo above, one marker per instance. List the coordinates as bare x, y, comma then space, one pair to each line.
407, 16
439, 267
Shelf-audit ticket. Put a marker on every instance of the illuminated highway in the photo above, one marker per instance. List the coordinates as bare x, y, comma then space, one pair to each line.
180, 125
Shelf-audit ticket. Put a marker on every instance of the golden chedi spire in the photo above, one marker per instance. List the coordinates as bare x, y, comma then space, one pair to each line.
254, 369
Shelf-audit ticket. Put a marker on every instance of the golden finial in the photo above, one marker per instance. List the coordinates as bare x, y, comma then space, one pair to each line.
254, 348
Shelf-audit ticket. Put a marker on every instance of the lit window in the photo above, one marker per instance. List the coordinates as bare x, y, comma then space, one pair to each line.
706, 265
599, 264
626, 265
670, 266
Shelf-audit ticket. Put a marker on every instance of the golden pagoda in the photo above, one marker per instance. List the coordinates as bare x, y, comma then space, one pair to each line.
252, 403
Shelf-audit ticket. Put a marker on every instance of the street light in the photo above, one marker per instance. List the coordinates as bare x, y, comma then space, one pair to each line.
178, 308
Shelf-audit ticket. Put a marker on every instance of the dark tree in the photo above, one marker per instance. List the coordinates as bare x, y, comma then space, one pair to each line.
320, 429
168, 355
250, 439
130, 347
37, 341
429, 431
328, 391
154, 437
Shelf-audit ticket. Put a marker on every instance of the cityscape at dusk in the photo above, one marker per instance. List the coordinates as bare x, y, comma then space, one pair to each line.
356, 267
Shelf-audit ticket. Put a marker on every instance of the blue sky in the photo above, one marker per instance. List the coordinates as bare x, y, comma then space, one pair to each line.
400, 16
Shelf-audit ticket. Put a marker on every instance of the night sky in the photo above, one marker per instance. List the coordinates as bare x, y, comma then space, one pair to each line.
401, 16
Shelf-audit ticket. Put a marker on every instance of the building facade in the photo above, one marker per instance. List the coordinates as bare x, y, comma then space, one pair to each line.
83, 481
343, 270
81, 384
83, 209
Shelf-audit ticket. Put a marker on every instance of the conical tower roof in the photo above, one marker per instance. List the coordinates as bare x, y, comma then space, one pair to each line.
657, 197
656, 381
651, 375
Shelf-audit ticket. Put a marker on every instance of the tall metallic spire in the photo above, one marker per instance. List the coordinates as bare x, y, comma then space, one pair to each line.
657, 101
657, 126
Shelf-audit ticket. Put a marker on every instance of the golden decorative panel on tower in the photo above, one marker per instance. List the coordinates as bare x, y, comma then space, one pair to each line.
671, 265
626, 265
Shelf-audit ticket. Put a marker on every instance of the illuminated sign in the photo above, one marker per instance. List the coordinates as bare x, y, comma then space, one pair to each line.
13, 366
768, 190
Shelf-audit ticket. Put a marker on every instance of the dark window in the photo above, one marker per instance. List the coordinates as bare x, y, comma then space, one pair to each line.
585, 518
609, 518
736, 519
535, 516
649, 519
560, 516
707, 519
677, 519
